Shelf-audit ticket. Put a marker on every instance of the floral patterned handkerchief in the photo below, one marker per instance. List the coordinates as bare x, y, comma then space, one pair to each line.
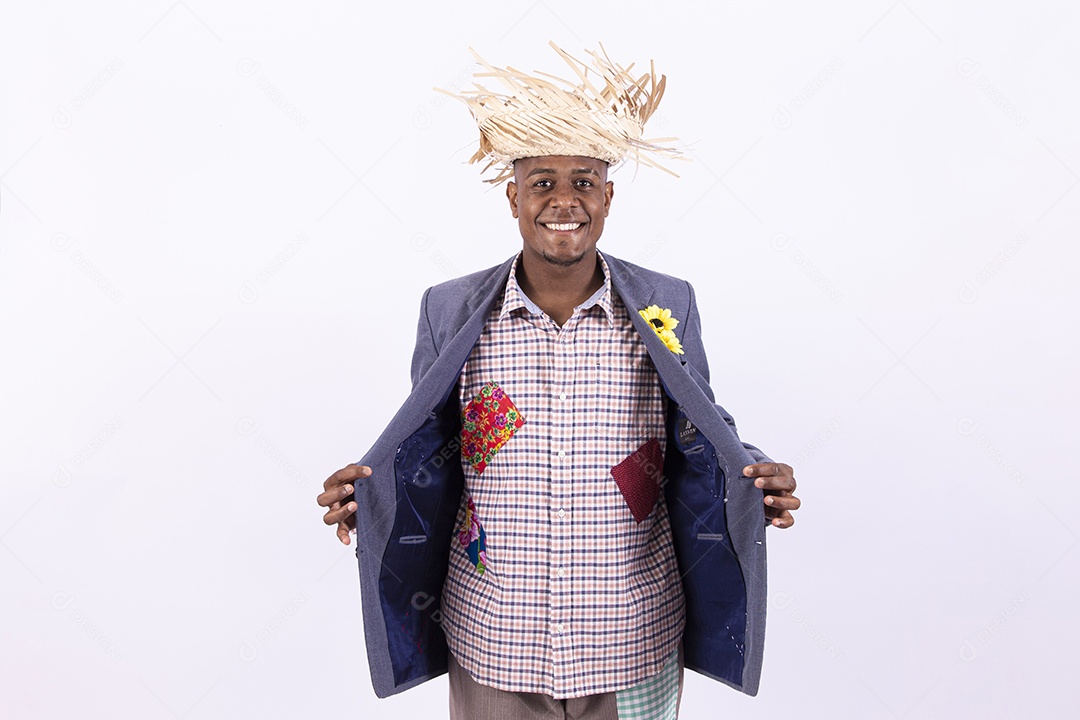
472, 537
487, 423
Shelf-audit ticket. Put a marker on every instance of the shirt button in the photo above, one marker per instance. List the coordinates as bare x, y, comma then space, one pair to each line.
561, 513
560, 628
560, 572
562, 453
562, 396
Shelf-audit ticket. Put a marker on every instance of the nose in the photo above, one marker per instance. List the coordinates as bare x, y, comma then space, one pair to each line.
563, 196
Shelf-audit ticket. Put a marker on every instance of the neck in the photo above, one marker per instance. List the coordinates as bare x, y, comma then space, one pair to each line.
557, 288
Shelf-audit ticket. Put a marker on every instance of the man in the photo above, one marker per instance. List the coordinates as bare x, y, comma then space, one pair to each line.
560, 516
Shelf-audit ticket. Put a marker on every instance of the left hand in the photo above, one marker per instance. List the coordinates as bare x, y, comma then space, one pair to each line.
778, 482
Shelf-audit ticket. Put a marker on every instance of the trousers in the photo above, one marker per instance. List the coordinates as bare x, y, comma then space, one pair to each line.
469, 700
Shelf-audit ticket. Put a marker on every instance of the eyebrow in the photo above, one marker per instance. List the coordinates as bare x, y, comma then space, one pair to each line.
550, 171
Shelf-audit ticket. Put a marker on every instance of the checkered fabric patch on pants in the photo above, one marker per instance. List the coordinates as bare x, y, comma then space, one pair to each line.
656, 698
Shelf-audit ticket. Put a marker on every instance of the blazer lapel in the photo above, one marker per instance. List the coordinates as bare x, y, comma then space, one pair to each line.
637, 294
476, 304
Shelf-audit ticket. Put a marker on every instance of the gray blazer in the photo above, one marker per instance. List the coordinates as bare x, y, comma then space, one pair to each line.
407, 507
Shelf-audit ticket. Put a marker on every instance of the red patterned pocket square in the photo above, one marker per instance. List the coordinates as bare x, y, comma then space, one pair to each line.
638, 478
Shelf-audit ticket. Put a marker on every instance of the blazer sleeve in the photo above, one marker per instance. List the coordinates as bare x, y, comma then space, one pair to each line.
425, 352
698, 365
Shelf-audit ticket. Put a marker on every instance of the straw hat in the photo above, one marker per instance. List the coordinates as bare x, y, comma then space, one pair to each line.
601, 116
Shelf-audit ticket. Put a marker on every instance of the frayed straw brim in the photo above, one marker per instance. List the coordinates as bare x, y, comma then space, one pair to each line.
544, 115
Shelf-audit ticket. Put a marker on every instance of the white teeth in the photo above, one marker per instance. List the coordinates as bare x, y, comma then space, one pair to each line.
562, 226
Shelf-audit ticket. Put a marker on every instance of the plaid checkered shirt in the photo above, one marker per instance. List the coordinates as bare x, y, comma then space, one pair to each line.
562, 576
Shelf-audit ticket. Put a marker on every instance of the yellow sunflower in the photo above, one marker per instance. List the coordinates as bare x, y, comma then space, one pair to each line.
664, 325
659, 319
671, 341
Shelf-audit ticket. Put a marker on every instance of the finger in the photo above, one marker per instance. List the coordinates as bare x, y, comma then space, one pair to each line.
769, 468
783, 502
347, 474
339, 515
784, 483
343, 533
765, 469
334, 496
783, 520
758, 469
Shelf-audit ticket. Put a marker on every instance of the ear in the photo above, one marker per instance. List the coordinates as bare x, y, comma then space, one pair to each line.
511, 195
609, 192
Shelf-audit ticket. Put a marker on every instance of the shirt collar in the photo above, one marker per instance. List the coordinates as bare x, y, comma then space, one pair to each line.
514, 297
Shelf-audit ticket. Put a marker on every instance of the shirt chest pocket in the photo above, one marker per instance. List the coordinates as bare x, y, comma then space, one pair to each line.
626, 402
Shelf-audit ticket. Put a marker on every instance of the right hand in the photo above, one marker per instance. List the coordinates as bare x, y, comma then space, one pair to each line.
337, 497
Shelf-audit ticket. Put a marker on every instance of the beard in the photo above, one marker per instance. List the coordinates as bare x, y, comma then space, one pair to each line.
564, 263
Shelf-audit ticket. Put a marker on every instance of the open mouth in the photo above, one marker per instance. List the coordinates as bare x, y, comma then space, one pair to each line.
562, 227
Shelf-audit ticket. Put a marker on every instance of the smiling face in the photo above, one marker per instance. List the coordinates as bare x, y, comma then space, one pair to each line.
560, 203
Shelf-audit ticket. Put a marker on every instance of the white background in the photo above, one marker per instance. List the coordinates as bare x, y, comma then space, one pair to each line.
217, 222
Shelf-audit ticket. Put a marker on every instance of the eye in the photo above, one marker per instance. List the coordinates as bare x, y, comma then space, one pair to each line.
542, 183
582, 182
